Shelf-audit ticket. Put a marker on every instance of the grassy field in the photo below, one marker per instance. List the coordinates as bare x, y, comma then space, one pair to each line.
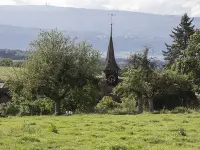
5, 72
101, 132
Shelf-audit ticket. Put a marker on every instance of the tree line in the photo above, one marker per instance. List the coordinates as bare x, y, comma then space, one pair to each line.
61, 72
177, 83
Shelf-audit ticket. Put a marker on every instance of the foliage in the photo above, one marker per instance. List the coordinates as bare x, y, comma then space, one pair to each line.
82, 99
130, 132
53, 128
129, 103
55, 67
7, 72
38, 107
191, 61
138, 79
180, 36
172, 90
106, 104
181, 110
42, 106
6, 62
159, 88
8, 109
17, 63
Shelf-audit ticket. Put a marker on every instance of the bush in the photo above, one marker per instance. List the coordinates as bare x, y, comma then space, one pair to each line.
39, 107
24, 109
181, 110
82, 100
17, 63
8, 109
164, 111
129, 104
43, 106
107, 104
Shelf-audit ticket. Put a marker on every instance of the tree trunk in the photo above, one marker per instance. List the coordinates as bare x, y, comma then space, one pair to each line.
58, 107
151, 105
140, 104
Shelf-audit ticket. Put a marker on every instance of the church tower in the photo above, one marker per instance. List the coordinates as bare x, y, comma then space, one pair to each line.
111, 68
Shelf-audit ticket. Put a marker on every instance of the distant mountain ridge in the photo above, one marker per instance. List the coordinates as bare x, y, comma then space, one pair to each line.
21, 24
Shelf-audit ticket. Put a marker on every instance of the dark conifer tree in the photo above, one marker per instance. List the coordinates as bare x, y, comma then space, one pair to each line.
180, 35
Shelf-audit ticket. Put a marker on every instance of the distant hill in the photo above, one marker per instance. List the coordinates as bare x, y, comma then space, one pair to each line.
13, 54
21, 24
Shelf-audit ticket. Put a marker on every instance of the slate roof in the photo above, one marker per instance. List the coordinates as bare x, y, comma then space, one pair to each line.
111, 63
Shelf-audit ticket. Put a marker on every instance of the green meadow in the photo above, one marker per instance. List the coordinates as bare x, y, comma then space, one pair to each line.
101, 132
4, 72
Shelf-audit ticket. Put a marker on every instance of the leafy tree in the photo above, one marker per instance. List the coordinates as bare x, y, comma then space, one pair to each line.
82, 99
144, 81
180, 36
133, 84
55, 67
191, 61
137, 79
172, 90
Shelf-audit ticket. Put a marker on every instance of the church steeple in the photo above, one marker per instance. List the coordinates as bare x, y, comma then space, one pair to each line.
111, 67
110, 60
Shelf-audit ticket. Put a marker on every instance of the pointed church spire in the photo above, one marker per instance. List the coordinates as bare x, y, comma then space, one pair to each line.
111, 64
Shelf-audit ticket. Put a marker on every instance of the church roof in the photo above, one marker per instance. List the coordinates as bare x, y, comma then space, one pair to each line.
111, 63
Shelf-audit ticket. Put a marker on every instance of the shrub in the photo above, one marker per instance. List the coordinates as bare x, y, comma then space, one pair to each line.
42, 106
107, 104
129, 104
24, 109
3, 110
164, 111
8, 109
82, 100
17, 63
39, 107
181, 110
12, 109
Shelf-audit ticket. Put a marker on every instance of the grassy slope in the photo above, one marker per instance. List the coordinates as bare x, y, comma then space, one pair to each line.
101, 132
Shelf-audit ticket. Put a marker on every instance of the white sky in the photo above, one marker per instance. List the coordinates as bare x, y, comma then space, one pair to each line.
178, 7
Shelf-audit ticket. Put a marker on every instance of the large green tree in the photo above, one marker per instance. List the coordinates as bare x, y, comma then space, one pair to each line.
137, 79
144, 81
191, 62
57, 66
180, 36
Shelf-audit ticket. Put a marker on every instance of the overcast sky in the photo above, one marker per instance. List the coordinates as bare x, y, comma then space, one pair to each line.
177, 7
